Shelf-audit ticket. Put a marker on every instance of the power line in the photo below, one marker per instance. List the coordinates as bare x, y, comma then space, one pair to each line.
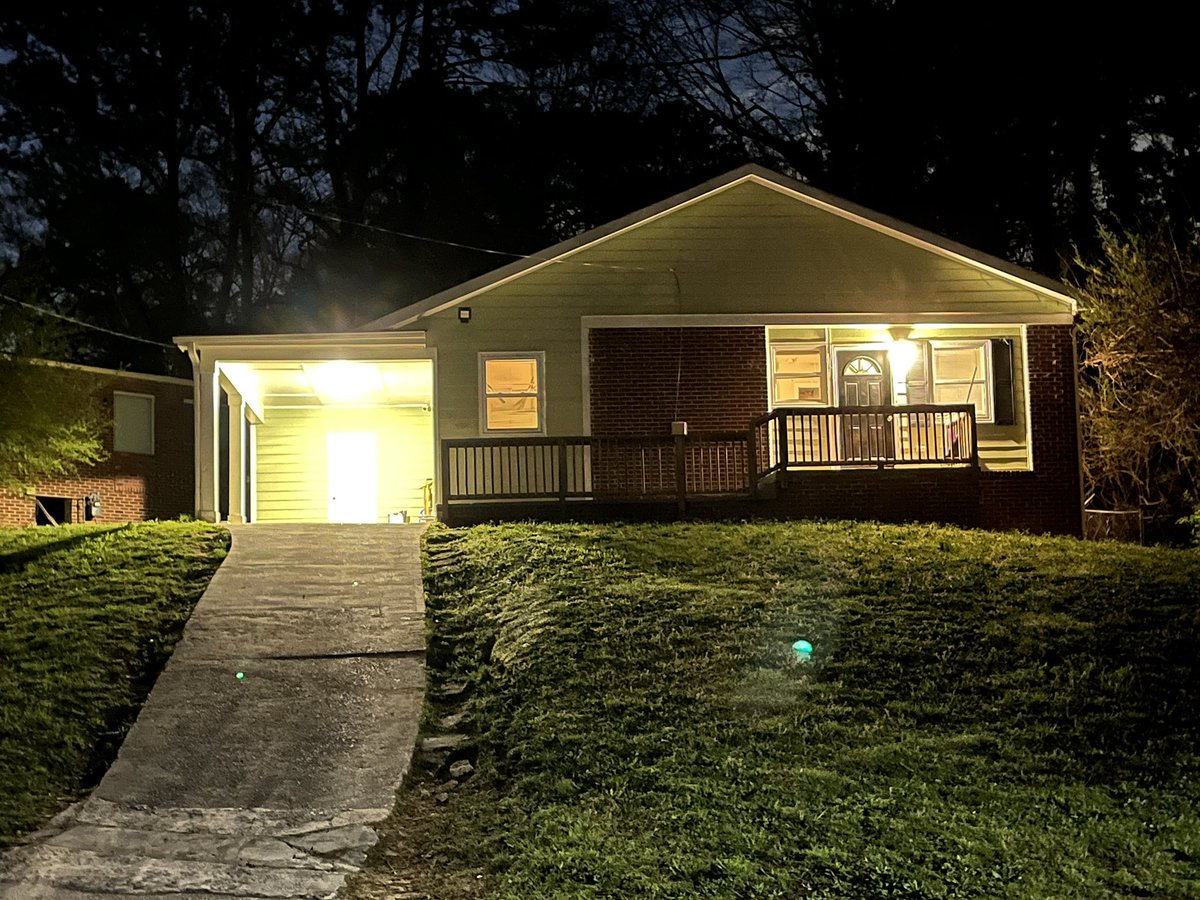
432, 240
41, 310
381, 230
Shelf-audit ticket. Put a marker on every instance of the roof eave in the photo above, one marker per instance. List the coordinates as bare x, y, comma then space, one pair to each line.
879, 222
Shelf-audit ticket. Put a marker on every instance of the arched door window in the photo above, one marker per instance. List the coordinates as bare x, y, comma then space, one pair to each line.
862, 365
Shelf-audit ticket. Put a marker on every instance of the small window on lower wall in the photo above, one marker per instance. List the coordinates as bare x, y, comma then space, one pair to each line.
798, 376
133, 423
52, 510
962, 374
512, 393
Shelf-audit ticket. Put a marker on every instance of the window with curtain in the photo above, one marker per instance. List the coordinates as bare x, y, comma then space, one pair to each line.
798, 376
512, 393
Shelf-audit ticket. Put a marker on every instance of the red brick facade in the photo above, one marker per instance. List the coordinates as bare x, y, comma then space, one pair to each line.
1048, 499
715, 379
132, 486
948, 496
643, 379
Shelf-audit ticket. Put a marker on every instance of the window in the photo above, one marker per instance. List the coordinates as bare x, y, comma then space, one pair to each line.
962, 374
798, 375
862, 365
52, 510
513, 397
133, 423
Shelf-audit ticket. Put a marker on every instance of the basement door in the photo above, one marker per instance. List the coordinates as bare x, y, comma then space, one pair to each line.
352, 476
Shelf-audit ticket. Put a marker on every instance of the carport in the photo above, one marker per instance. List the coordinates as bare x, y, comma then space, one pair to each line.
314, 428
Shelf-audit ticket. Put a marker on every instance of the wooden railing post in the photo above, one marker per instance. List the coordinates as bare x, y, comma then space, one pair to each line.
680, 435
974, 438
562, 474
445, 480
752, 461
781, 444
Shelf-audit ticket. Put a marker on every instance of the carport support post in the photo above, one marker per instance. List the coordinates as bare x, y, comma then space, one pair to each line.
207, 396
237, 477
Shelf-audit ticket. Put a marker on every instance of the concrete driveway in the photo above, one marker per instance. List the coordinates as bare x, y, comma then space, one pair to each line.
267, 785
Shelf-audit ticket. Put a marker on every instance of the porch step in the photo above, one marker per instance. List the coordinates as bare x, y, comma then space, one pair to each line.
1003, 454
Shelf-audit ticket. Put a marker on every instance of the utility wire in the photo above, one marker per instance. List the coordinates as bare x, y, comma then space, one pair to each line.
41, 310
381, 230
432, 240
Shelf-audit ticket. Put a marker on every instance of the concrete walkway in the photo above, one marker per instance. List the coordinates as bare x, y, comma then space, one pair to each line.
265, 786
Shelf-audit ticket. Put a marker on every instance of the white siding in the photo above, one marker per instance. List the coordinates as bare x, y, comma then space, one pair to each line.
748, 250
291, 477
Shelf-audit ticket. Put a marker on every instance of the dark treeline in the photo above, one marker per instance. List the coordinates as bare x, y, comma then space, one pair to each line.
184, 167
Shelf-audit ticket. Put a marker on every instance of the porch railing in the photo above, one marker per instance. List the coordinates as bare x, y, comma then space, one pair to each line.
706, 463
864, 436
564, 468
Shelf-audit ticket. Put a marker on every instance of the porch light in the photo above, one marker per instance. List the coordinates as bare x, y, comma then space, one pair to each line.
901, 356
342, 381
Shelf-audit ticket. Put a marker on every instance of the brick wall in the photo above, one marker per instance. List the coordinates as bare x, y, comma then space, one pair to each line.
132, 486
1046, 500
721, 374
722, 385
948, 496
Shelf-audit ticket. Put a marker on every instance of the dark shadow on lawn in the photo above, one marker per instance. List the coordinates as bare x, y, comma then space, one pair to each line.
18, 560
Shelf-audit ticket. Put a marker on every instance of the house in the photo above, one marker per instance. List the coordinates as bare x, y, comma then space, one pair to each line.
148, 473
751, 347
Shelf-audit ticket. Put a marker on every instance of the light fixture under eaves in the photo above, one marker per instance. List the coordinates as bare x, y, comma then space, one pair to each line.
343, 382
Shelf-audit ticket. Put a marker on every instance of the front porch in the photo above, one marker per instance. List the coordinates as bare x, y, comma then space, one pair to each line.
712, 474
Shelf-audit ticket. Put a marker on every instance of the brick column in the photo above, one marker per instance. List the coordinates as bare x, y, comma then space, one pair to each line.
1048, 499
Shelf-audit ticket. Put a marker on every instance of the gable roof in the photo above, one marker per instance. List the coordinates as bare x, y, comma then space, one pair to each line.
844, 209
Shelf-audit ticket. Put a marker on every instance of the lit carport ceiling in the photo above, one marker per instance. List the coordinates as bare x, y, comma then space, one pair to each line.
334, 383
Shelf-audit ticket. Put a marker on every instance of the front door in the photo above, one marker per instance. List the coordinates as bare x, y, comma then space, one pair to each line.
352, 467
863, 381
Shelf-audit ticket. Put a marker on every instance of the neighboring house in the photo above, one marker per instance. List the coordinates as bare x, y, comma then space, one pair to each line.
151, 460
824, 360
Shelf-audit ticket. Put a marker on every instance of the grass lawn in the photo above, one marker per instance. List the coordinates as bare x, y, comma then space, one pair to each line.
88, 617
984, 715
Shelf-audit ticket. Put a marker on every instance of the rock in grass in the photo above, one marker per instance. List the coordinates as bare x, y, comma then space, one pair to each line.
451, 690
461, 769
443, 742
452, 720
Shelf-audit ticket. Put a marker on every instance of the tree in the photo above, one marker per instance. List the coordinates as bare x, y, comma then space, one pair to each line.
1009, 127
1139, 303
50, 420
210, 165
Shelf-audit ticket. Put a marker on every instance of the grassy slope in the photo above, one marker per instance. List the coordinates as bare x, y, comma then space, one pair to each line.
88, 617
985, 716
